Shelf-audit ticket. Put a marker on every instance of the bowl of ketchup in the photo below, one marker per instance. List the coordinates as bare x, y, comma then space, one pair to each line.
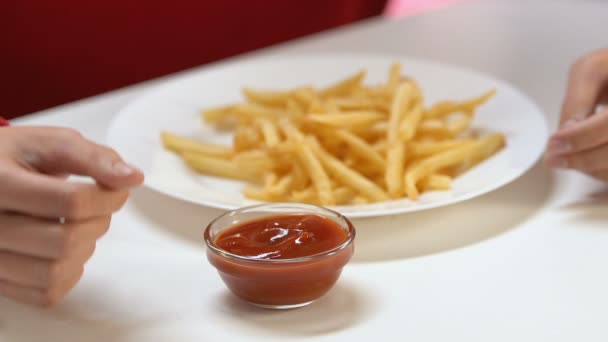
280, 255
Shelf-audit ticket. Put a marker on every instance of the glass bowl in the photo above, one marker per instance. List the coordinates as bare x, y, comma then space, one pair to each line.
279, 283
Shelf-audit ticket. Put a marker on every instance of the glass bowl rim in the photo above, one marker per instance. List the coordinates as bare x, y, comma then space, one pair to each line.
223, 253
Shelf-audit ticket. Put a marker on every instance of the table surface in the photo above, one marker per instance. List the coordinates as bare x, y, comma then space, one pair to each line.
524, 263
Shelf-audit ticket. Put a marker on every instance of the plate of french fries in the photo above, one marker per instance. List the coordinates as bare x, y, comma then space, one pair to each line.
364, 135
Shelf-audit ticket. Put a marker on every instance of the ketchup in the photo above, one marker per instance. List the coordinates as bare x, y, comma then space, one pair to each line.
283, 260
282, 237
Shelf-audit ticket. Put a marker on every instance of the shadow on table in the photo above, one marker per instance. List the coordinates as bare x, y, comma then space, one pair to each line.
443, 229
183, 219
20, 323
390, 237
343, 307
593, 208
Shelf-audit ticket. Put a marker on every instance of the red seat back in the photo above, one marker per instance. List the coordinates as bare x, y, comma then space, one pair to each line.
59, 51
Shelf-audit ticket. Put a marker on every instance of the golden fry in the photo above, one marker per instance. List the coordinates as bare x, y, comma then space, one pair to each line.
409, 124
270, 132
460, 125
394, 76
267, 98
361, 148
181, 144
425, 149
350, 119
346, 175
468, 153
487, 146
435, 127
214, 115
311, 163
250, 111
345, 86
246, 137
395, 154
445, 108
217, 167
255, 161
346, 144
436, 182
282, 186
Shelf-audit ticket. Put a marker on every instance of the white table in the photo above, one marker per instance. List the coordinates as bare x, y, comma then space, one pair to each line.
525, 263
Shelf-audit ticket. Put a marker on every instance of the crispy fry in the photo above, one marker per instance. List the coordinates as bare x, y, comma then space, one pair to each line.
281, 187
460, 125
259, 194
311, 163
346, 144
350, 119
307, 195
436, 127
343, 195
445, 108
251, 111
360, 104
255, 161
409, 124
394, 76
246, 137
345, 86
181, 144
425, 149
436, 182
487, 146
470, 153
270, 132
214, 115
361, 148
346, 175
217, 167
300, 177
267, 97
395, 155
360, 200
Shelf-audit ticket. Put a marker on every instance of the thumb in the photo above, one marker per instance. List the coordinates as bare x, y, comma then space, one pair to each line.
65, 151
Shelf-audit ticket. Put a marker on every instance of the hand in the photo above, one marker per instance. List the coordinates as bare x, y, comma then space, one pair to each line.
581, 142
49, 225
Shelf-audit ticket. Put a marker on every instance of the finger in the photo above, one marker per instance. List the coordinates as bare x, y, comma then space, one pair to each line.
600, 175
45, 196
588, 161
587, 79
583, 135
49, 239
41, 273
60, 150
40, 297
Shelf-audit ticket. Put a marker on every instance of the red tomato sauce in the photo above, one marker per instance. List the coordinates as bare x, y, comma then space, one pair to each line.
274, 272
282, 237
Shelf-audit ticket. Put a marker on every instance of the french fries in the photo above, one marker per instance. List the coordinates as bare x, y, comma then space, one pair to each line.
346, 144
180, 144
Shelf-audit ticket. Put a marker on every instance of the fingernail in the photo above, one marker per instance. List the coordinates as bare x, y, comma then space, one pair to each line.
557, 162
122, 169
559, 147
570, 122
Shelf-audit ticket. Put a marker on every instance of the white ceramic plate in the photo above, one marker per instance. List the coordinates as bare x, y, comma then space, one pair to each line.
175, 106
